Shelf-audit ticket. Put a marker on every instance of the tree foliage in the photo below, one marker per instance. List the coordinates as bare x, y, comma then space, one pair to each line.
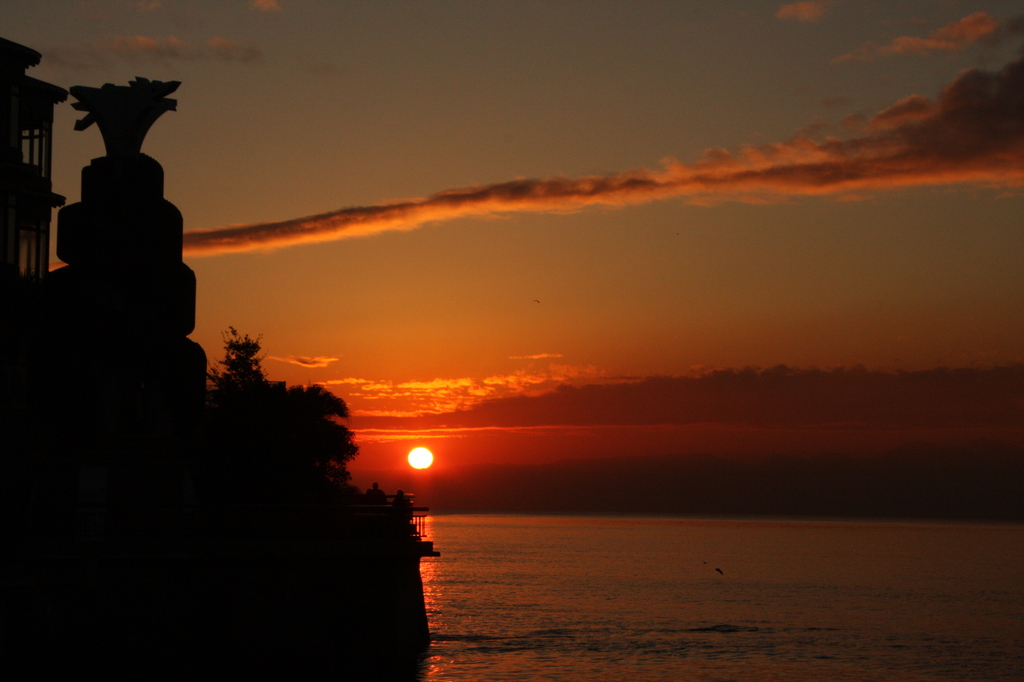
269, 444
242, 368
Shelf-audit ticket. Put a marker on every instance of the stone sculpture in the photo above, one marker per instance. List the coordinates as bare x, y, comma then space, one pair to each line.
125, 298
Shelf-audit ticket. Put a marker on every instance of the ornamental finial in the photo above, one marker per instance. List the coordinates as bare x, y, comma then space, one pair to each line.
124, 113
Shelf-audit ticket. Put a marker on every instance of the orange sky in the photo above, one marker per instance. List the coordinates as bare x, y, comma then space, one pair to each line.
603, 196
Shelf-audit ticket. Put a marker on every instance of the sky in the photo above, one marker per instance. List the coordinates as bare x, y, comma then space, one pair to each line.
525, 232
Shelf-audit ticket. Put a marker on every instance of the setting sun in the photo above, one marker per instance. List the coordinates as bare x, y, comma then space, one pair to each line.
421, 458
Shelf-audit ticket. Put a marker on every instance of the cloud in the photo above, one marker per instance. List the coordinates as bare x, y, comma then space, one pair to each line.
973, 133
780, 397
318, 361
370, 397
909, 110
141, 49
265, 5
233, 51
952, 37
803, 11
977, 480
148, 6
538, 356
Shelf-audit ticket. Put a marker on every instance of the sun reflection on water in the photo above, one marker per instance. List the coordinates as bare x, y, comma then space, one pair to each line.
431, 574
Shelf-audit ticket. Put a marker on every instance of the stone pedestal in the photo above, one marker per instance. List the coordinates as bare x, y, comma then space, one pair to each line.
121, 310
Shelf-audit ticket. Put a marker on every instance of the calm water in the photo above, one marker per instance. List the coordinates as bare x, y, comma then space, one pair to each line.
638, 598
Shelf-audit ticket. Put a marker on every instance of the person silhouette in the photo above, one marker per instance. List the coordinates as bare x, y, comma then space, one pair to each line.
375, 495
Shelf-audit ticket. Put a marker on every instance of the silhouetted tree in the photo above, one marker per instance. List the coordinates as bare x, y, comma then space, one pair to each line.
269, 444
321, 440
242, 368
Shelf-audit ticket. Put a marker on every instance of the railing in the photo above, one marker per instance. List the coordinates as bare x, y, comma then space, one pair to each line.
417, 521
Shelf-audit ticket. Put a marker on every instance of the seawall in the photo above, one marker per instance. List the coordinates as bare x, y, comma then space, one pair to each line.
191, 589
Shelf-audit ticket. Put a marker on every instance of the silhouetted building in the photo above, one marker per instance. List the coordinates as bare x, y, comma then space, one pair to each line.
26, 199
26, 202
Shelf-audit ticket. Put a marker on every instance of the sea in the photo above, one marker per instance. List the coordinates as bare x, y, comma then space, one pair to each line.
623, 598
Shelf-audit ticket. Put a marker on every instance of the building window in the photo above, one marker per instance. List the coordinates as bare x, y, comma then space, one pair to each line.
28, 256
35, 148
15, 118
33, 251
9, 232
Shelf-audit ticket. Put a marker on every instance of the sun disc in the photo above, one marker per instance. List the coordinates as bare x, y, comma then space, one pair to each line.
420, 458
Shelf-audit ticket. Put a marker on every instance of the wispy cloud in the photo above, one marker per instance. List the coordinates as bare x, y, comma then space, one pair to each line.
803, 11
141, 49
952, 37
265, 5
390, 435
233, 51
302, 361
538, 356
972, 133
444, 395
148, 6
